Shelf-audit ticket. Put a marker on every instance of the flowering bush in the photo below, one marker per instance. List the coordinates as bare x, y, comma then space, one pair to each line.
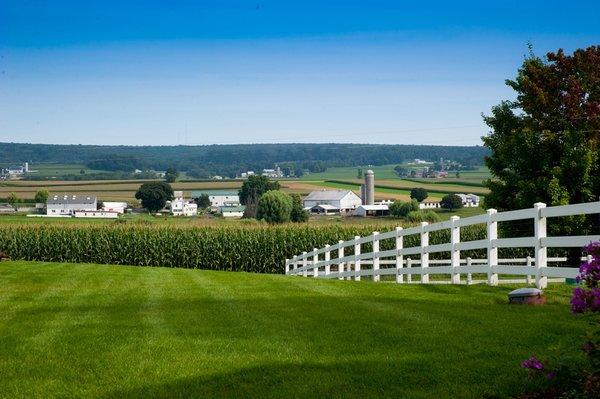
565, 381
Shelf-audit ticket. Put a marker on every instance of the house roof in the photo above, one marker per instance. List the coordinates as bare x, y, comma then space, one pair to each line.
326, 207
328, 195
71, 199
215, 193
373, 207
239, 208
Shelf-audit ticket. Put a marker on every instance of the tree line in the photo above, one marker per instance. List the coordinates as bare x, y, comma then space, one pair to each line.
231, 160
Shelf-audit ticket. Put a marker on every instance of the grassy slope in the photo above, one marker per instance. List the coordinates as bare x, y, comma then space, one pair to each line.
89, 330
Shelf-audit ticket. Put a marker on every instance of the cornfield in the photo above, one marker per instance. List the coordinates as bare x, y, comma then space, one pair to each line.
261, 249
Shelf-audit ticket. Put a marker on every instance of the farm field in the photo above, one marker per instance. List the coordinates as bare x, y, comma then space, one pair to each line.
386, 172
82, 330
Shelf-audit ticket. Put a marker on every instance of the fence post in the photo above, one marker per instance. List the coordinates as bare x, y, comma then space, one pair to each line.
492, 251
356, 260
455, 253
375, 256
424, 253
399, 257
304, 264
408, 267
529, 279
327, 258
315, 260
340, 263
541, 259
287, 266
469, 275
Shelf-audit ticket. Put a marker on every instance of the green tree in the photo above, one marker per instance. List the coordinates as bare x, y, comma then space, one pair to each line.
451, 201
203, 201
402, 171
545, 145
359, 173
171, 175
298, 171
154, 195
418, 194
401, 209
12, 198
274, 207
556, 116
252, 189
298, 213
41, 196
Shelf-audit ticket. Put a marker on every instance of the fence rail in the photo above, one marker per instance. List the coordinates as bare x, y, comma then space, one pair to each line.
399, 261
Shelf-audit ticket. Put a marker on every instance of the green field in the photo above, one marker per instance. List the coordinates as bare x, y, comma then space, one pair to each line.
71, 330
385, 172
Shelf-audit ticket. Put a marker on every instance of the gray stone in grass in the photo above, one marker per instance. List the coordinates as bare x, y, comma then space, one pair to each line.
527, 296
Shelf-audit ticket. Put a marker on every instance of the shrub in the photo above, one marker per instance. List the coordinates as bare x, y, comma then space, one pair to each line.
402, 209
423, 216
274, 207
298, 213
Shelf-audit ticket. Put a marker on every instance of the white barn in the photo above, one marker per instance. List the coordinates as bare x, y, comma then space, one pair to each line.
219, 198
343, 200
68, 204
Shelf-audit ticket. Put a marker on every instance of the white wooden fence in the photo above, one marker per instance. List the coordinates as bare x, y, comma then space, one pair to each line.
397, 262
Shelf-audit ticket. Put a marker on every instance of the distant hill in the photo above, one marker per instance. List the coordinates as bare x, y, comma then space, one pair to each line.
229, 160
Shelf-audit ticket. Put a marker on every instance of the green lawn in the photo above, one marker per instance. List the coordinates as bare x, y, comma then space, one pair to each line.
71, 330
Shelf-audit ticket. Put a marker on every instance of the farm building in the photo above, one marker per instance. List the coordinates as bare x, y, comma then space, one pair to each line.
7, 208
118, 207
68, 204
232, 211
372, 210
341, 200
96, 214
219, 198
429, 205
469, 200
182, 207
324, 209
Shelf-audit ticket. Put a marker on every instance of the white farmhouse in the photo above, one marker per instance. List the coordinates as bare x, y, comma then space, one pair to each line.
469, 200
182, 207
341, 201
68, 204
219, 198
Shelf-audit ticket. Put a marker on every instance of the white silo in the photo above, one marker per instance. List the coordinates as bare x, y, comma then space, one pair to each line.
369, 188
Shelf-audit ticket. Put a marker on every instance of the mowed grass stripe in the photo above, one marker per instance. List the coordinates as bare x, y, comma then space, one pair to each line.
119, 331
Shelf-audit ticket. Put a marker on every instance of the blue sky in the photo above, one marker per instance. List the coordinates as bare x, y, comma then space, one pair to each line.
204, 72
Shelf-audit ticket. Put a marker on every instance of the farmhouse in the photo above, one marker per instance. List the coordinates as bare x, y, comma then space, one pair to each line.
469, 200
181, 207
219, 198
341, 201
68, 204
